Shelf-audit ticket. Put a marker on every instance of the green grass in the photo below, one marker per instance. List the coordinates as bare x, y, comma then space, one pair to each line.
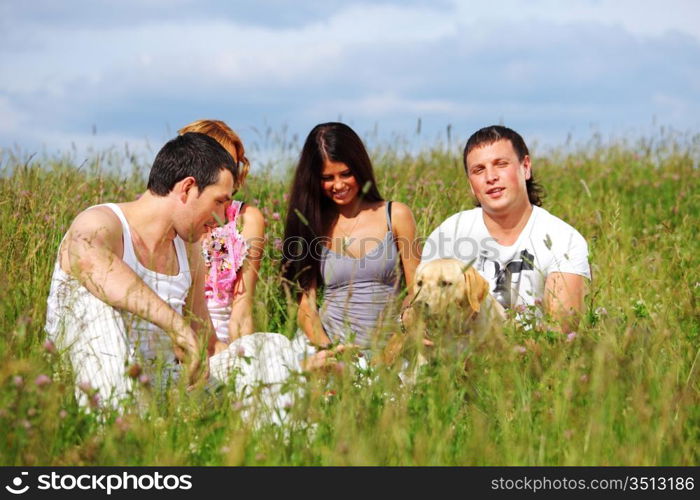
623, 392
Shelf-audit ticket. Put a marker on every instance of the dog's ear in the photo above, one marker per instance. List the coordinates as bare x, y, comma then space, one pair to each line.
466, 266
477, 288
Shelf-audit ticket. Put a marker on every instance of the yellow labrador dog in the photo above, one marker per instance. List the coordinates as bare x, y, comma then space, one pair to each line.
447, 287
452, 294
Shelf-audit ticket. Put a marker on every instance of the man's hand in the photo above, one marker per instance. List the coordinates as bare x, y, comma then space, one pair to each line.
92, 253
189, 351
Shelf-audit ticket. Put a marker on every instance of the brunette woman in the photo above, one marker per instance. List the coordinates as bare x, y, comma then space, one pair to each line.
341, 235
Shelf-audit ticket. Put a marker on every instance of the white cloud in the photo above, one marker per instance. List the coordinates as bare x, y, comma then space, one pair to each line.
385, 103
639, 17
147, 53
556, 65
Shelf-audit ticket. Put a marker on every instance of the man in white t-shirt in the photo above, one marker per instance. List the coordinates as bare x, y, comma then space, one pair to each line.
528, 255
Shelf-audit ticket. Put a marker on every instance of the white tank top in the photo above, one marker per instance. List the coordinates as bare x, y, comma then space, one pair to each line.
148, 339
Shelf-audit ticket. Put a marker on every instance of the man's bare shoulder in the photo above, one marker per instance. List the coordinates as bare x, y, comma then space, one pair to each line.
94, 229
97, 224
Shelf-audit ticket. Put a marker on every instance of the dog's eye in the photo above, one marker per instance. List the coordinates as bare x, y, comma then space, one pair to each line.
444, 283
419, 283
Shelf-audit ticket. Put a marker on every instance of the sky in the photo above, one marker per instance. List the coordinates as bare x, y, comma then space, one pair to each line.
86, 75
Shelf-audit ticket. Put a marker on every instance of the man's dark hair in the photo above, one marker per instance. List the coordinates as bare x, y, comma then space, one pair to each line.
189, 155
494, 133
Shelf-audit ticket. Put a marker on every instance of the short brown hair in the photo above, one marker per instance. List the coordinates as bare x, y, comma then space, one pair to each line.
494, 133
189, 155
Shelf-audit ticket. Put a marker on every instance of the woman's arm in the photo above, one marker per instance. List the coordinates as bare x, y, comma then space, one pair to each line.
253, 230
309, 319
196, 303
404, 227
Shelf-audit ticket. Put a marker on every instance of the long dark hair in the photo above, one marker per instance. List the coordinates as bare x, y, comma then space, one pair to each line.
310, 213
493, 133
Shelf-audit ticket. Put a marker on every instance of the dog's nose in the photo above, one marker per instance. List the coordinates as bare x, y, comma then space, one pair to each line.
421, 306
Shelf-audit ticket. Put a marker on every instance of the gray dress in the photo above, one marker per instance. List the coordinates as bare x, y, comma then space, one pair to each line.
359, 293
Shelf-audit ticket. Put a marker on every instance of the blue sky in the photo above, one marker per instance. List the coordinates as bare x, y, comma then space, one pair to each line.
102, 74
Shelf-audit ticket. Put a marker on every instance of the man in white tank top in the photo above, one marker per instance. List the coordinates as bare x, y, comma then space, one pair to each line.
126, 272
528, 255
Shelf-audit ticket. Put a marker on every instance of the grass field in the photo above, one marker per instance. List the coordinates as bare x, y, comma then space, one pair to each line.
624, 391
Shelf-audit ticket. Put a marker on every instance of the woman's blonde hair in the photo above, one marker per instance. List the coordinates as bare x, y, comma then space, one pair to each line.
227, 138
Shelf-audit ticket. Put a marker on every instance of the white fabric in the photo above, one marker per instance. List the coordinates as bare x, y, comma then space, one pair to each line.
220, 316
103, 342
301, 346
151, 340
258, 358
94, 336
302, 349
516, 273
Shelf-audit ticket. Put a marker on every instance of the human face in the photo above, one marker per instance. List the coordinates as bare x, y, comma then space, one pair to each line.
338, 183
203, 208
497, 178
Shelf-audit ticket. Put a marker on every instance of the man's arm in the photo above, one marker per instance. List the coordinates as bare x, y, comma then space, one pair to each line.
89, 255
563, 299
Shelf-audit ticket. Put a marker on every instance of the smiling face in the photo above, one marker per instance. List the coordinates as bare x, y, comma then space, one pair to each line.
497, 177
338, 183
202, 209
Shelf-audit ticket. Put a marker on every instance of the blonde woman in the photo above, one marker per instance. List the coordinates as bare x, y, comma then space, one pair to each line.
233, 251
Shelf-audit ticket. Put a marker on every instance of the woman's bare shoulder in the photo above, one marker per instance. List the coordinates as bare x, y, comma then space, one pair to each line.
253, 219
402, 220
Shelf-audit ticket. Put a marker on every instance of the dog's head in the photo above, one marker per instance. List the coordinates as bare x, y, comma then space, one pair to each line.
445, 283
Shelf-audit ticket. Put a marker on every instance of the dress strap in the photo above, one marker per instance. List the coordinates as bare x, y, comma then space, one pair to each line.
388, 216
240, 209
233, 211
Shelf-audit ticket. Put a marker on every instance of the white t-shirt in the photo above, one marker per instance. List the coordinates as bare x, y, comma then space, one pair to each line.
516, 273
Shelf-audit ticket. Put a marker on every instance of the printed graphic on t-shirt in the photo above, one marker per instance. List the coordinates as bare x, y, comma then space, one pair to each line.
517, 273
507, 277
